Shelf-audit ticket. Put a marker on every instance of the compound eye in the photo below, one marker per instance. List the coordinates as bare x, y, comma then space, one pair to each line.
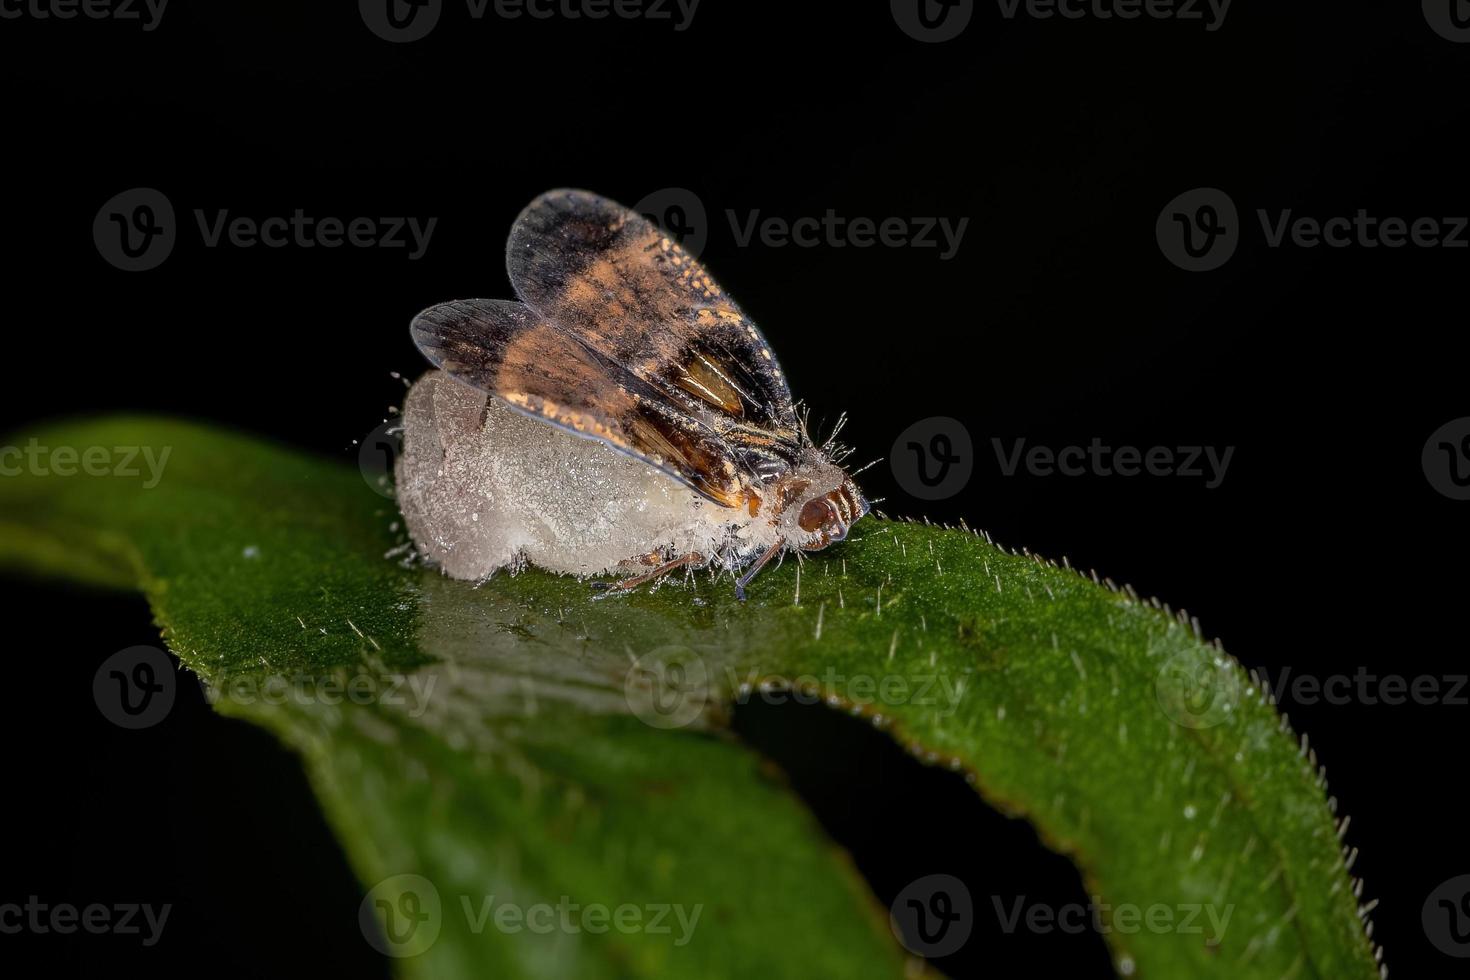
816, 515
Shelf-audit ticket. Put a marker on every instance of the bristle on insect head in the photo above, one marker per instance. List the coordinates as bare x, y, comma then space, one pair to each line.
831, 441
803, 418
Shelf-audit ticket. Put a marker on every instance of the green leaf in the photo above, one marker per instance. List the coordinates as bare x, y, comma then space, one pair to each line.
525, 741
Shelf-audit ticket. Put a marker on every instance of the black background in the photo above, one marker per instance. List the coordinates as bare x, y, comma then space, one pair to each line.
1324, 549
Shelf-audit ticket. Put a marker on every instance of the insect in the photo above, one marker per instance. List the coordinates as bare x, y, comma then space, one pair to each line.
623, 416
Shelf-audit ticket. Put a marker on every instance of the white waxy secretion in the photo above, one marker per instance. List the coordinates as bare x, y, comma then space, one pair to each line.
483, 487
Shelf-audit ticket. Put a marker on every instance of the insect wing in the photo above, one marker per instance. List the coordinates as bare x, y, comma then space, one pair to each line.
615, 281
510, 351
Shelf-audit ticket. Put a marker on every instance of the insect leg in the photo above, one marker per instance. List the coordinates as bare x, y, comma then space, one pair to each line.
639, 563
760, 563
693, 558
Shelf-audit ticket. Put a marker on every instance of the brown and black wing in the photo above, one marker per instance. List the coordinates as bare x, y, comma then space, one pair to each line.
618, 284
510, 351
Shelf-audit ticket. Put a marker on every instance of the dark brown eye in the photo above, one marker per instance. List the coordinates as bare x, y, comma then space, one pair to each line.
815, 515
